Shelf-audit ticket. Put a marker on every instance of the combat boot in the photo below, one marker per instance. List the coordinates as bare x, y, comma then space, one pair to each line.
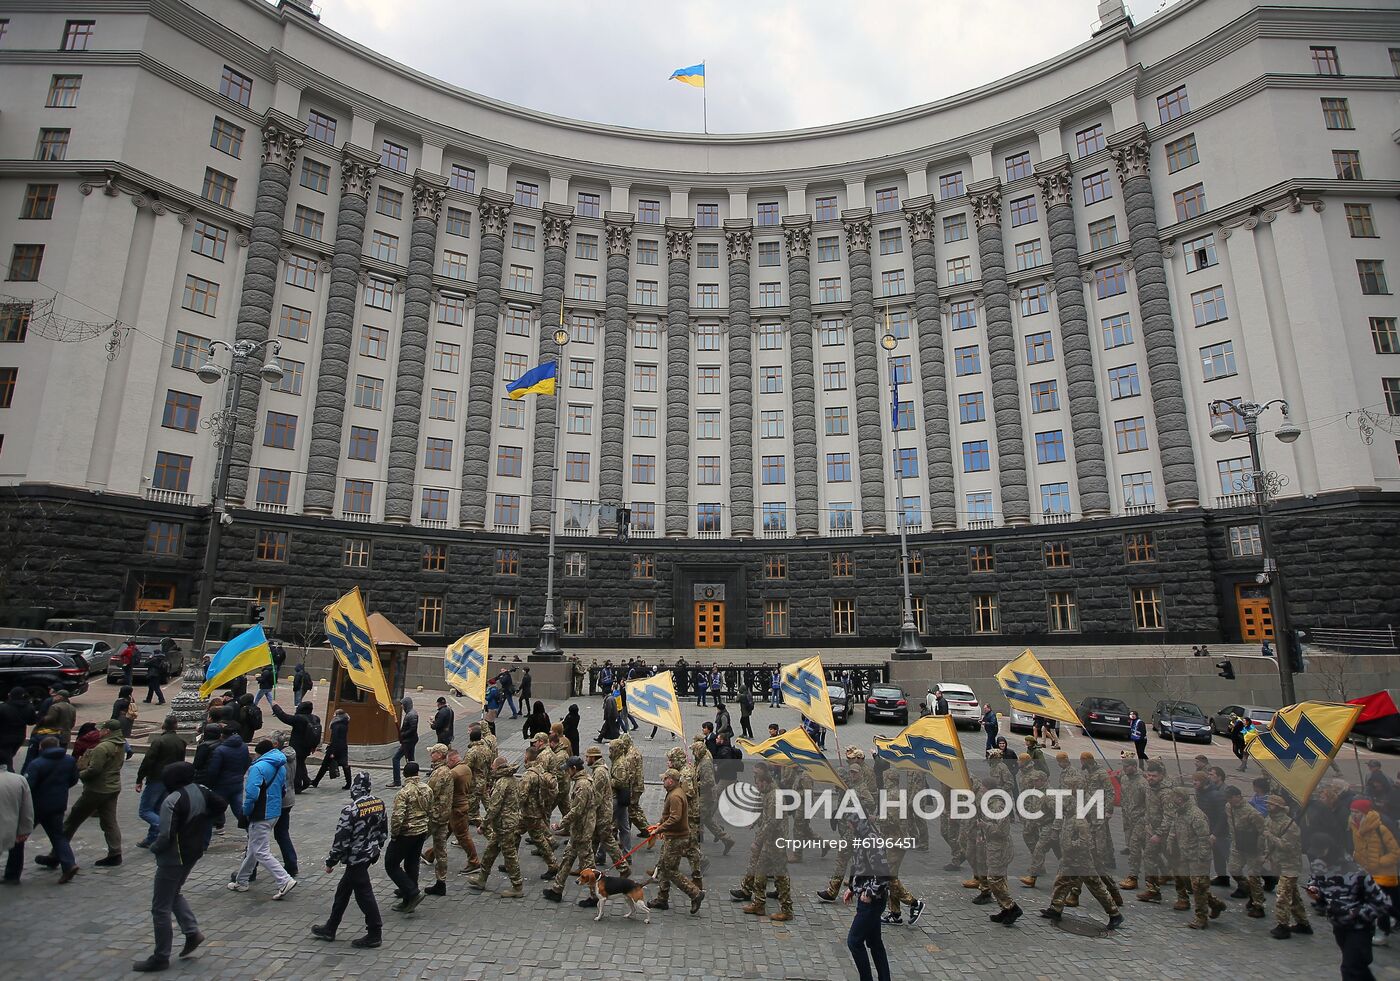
1254, 912
477, 880
1198, 923
1131, 882
514, 892
1149, 895
1071, 900
971, 884
1029, 881
782, 916
757, 909
1181, 904
1216, 907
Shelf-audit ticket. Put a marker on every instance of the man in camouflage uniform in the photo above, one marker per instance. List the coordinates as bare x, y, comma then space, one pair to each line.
675, 760
1134, 818
1246, 839
1077, 863
1096, 781
462, 779
408, 826
770, 859
503, 816
1284, 855
1189, 848
1040, 834
707, 795
558, 761
638, 786
604, 830
862, 781
674, 829
479, 757
894, 827
621, 764
993, 836
1156, 826
537, 793
440, 817
578, 821
973, 845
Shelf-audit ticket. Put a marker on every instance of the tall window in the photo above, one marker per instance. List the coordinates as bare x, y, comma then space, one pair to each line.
1138, 490
1139, 547
775, 618
1325, 61
1384, 335
1360, 221
270, 545
1218, 360
200, 296
951, 186
320, 126
1045, 396
77, 35
1062, 610
1097, 187
527, 194
955, 228
1347, 164
706, 215
649, 212
1050, 446
63, 91
172, 472
1018, 166
236, 86
644, 618
1130, 434
1190, 202
1090, 140
389, 202
986, 618
1200, 253
163, 537
503, 616
1336, 114
1370, 271
315, 175
226, 137
274, 486
1182, 153
1103, 233
1147, 607
1172, 105
589, 205
53, 145
843, 617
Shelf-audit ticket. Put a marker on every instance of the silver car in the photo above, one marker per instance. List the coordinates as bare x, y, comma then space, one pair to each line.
97, 653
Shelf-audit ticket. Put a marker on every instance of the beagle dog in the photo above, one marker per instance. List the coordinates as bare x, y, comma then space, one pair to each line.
602, 887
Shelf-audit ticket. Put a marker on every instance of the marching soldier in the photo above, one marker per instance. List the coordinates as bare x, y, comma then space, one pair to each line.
675, 759
637, 785
771, 860
1157, 826
503, 816
439, 817
578, 821
537, 795
994, 839
894, 828
706, 796
1078, 865
974, 846
1097, 780
1134, 819
462, 780
1190, 845
1246, 839
560, 751
604, 830
1040, 834
1284, 854
479, 757
674, 829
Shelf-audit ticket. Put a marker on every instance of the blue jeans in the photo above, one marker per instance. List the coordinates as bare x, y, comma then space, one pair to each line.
865, 932
405, 752
991, 738
263, 693
773, 699
510, 700
701, 696
59, 846
148, 809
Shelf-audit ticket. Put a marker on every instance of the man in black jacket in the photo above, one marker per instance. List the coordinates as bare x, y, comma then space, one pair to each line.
16, 715
267, 684
408, 739
305, 739
166, 748
359, 838
337, 749
444, 720
209, 740
185, 817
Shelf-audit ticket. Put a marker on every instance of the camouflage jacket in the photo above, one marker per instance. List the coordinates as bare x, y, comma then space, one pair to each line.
537, 792
1282, 845
626, 768
579, 821
479, 758
1189, 843
441, 783
1154, 810
1134, 800
413, 806
602, 796
704, 769
1077, 840
1246, 831
503, 809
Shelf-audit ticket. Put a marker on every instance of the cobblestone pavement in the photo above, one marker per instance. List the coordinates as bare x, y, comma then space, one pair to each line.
94, 927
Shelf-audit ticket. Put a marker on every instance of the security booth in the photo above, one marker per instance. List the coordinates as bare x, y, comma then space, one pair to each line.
370, 725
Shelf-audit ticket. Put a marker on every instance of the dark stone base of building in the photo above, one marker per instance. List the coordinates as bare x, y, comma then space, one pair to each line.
67, 553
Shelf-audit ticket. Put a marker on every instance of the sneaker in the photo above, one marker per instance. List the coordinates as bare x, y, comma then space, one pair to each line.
916, 911
1115, 921
321, 932
192, 942
237, 887
825, 896
369, 941
152, 963
110, 862
291, 884
891, 918
410, 904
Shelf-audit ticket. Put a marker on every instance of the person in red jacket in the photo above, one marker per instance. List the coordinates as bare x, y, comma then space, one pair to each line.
125, 657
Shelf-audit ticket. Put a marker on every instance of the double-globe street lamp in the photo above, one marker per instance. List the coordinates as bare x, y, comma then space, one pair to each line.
1264, 485
910, 645
548, 648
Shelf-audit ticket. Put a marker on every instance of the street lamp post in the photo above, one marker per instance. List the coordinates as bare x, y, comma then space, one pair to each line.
1264, 484
548, 648
910, 646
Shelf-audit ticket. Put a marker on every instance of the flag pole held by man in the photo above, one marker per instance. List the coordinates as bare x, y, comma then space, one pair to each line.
464, 664
347, 630
238, 656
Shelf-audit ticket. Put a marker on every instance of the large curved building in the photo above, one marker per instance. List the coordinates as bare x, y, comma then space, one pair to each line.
1074, 263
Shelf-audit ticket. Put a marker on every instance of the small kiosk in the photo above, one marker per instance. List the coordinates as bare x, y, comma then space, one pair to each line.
370, 725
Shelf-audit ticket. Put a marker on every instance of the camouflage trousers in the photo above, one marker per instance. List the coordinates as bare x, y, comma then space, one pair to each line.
537, 829
461, 826
637, 816
562, 801
474, 802
1201, 899
899, 893
507, 845
438, 851
605, 844
951, 835
781, 883
1046, 842
1288, 905
996, 885
579, 854
709, 812
838, 874
668, 871
1137, 848
1244, 869
1109, 886
1065, 885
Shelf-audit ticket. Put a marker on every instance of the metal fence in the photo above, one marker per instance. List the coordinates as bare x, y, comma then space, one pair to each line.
755, 678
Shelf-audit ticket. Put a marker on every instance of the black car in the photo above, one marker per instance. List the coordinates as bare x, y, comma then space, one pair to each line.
1181, 720
39, 669
887, 702
174, 662
840, 703
1104, 716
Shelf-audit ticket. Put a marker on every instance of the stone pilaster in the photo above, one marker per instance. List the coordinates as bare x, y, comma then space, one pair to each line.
357, 169
1091, 472
866, 346
282, 142
494, 212
1001, 355
679, 232
1131, 153
928, 311
738, 235
797, 233
428, 193
557, 220
613, 427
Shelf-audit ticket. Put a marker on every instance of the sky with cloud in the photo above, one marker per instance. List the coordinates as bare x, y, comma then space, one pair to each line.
770, 64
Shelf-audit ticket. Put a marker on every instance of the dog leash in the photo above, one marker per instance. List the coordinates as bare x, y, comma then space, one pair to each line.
644, 841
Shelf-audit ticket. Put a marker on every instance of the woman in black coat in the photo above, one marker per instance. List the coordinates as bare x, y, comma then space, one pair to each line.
571, 721
536, 721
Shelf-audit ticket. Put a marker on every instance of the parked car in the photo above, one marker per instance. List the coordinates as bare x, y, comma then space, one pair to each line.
963, 705
840, 703
23, 642
174, 662
1180, 720
1104, 716
97, 653
1260, 715
38, 669
1022, 721
887, 702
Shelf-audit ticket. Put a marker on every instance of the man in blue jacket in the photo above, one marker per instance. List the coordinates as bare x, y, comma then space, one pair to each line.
262, 806
228, 764
50, 775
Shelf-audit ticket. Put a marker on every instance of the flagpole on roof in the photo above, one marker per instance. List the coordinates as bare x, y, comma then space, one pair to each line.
704, 100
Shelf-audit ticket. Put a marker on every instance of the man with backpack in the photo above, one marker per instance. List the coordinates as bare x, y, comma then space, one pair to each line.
337, 750
305, 739
157, 674
262, 806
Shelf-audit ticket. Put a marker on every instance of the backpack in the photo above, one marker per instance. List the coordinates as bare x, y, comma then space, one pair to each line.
254, 717
315, 731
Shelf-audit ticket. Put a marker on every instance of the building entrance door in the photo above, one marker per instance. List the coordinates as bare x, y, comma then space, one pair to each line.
709, 624
1256, 613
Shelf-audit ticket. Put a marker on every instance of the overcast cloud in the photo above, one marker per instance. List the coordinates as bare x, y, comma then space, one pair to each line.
771, 64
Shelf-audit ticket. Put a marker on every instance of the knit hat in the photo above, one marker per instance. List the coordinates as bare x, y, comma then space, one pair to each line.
1361, 804
672, 774
1274, 800
675, 756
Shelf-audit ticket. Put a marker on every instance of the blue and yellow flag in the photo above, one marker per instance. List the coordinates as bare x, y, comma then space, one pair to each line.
539, 380
654, 700
804, 688
1029, 689
464, 664
795, 748
347, 630
1299, 745
694, 75
240, 655
929, 746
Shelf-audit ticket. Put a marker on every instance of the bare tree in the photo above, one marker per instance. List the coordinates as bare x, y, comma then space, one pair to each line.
1167, 681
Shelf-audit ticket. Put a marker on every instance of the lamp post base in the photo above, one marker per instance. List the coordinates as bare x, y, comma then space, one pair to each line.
547, 649
911, 648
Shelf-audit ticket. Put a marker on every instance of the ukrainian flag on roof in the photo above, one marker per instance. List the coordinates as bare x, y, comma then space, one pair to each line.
244, 653
539, 380
694, 75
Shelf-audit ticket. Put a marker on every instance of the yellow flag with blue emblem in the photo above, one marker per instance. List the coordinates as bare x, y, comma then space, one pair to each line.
1027, 686
654, 700
795, 748
464, 664
929, 746
804, 688
1299, 745
347, 630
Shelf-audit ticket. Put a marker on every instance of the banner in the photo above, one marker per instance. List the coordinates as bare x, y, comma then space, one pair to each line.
347, 629
804, 687
929, 746
1299, 745
464, 664
1029, 689
239, 655
654, 700
795, 748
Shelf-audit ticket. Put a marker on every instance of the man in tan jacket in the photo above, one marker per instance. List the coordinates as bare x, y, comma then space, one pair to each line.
674, 829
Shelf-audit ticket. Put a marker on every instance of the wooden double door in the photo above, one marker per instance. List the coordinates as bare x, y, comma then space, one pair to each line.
709, 623
1256, 613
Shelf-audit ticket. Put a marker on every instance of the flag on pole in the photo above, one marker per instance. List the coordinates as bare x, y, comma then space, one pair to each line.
654, 700
1299, 745
804, 683
795, 748
464, 664
539, 380
239, 655
694, 75
930, 746
1028, 687
347, 629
